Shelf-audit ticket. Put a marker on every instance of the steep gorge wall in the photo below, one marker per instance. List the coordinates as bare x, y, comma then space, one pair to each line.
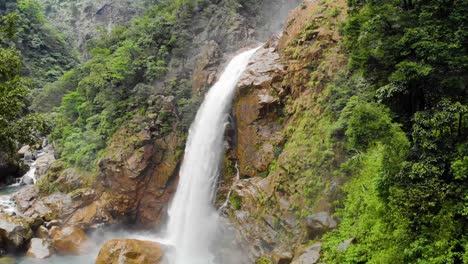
285, 151
138, 170
80, 21
152, 160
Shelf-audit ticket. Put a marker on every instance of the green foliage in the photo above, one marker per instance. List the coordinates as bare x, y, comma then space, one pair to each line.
406, 200
414, 52
235, 201
93, 100
263, 260
16, 124
45, 54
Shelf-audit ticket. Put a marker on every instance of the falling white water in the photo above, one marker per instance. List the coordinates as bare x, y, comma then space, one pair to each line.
30, 177
193, 220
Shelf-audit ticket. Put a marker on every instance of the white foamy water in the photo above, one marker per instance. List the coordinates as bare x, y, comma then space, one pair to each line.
30, 177
193, 221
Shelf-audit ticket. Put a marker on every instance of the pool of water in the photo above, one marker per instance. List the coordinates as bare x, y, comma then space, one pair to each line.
84, 259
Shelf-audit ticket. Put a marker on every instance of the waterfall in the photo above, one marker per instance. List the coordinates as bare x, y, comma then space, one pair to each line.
30, 177
193, 220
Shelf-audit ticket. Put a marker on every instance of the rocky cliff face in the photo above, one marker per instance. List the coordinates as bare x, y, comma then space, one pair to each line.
282, 153
83, 20
139, 168
140, 174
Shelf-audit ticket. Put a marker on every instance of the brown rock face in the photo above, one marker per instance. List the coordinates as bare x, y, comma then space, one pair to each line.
130, 251
310, 255
91, 215
205, 70
257, 108
280, 151
320, 223
135, 175
70, 240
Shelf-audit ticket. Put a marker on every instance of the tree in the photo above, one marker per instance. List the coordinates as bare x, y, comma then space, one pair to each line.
16, 124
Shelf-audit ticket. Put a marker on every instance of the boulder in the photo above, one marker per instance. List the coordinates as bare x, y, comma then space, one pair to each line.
281, 258
318, 224
23, 150
70, 240
40, 248
53, 230
15, 232
25, 197
130, 251
91, 215
52, 223
42, 232
311, 255
343, 246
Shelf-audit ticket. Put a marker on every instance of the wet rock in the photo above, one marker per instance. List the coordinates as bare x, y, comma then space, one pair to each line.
318, 224
59, 205
23, 150
311, 255
28, 157
25, 197
42, 232
52, 223
15, 232
91, 215
343, 246
69, 180
130, 251
281, 258
40, 248
53, 230
44, 161
70, 240
205, 67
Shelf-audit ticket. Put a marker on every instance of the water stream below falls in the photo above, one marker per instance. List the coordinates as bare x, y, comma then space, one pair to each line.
193, 221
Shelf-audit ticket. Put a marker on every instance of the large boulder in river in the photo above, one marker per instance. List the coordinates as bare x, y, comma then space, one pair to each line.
46, 208
70, 240
40, 248
25, 197
130, 251
15, 232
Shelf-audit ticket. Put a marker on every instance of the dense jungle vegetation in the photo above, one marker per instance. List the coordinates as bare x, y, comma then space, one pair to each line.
401, 107
32, 54
403, 111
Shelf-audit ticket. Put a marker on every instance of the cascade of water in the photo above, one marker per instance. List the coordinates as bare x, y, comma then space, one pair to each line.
30, 177
193, 220
228, 197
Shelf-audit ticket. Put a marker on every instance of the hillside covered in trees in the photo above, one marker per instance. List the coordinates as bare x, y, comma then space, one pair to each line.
347, 141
